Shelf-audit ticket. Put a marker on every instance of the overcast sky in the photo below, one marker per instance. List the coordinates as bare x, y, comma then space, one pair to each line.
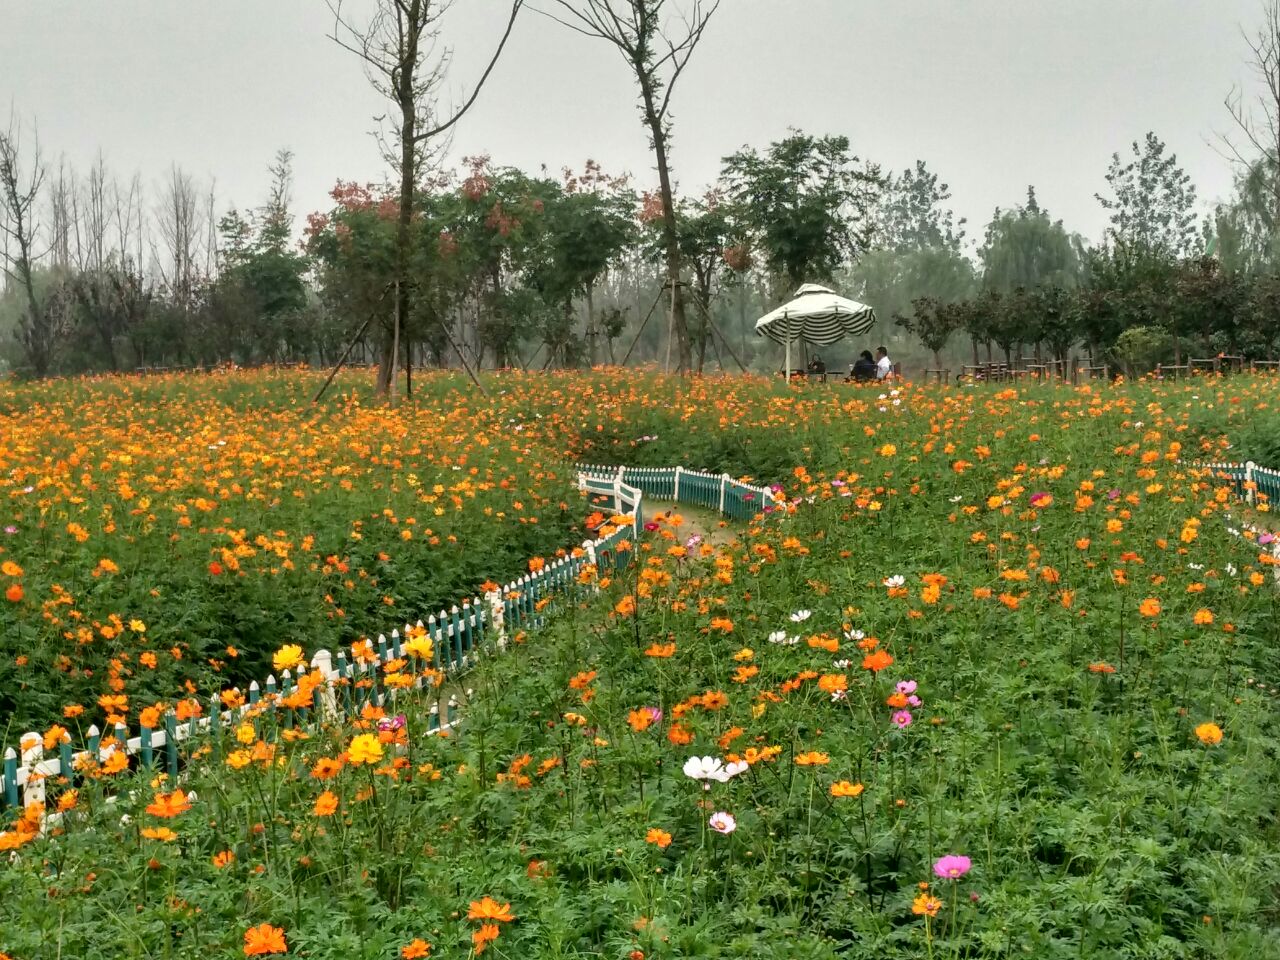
993, 94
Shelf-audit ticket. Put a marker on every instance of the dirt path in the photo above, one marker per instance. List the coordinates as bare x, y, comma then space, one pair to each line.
701, 521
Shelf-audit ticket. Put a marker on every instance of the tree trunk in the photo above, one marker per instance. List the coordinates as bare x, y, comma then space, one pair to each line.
670, 238
591, 326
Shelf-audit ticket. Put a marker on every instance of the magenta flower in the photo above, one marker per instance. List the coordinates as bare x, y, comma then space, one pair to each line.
902, 718
952, 866
651, 526
392, 723
653, 713
1263, 538
1039, 498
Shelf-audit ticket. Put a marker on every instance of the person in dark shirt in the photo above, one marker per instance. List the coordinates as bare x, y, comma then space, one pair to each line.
864, 368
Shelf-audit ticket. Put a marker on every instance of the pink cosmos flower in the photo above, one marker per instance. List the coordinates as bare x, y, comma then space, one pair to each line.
907, 686
723, 822
902, 718
952, 866
392, 723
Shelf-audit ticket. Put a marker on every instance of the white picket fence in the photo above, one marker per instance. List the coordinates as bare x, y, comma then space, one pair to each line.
459, 637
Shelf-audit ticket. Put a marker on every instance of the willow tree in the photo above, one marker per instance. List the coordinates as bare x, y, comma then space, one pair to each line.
656, 41
399, 46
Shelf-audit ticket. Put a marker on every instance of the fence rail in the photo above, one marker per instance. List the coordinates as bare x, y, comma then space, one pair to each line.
344, 685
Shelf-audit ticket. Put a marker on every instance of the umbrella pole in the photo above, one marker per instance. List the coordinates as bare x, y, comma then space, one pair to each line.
787, 372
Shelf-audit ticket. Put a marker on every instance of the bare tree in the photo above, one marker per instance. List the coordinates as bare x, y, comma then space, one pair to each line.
61, 214
399, 46
20, 185
1257, 120
178, 219
656, 44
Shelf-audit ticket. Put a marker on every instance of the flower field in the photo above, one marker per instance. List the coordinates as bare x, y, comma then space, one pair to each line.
999, 679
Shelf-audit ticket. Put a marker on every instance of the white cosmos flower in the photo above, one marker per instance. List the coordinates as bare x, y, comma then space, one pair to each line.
800, 616
956, 499
778, 636
705, 768
837, 696
736, 767
896, 580
842, 664
1231, 569
854, 635
723, 822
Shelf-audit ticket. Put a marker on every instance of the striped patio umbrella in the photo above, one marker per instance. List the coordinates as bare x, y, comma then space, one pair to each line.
817, 315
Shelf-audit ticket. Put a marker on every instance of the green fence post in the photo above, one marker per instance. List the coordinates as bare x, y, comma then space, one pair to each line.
171, 742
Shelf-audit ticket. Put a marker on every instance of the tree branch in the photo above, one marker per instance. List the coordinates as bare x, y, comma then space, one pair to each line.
511, 22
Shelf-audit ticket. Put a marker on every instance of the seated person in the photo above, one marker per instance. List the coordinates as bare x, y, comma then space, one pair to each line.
816, 365
864, 368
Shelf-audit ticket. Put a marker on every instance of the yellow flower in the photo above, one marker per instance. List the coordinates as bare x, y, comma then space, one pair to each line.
287, 657
1209, 734
364, 749
926, 905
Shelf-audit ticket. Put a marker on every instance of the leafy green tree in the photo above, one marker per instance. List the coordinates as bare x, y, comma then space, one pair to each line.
258, 259
1152, 203
808, 203
1024, 248
913, 214
933, 322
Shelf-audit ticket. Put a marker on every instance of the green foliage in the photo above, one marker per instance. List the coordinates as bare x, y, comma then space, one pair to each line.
808, 203
1024, 248
1057, 558
1152, 203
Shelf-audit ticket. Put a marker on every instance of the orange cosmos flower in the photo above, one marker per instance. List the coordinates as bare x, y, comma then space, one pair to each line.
415, 949
843, 788
483, 937
661, 650
659, 838
1203, 617
326, 768
264, 939
926, 905
486, 908
223, 859
832, 682
169, 804
877, 661
1150, 607
163, 834
1209, 734
326, 804
14, 593
1101, 668
812, 759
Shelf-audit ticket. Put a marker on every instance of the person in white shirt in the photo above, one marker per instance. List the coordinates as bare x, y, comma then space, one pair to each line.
884, 366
